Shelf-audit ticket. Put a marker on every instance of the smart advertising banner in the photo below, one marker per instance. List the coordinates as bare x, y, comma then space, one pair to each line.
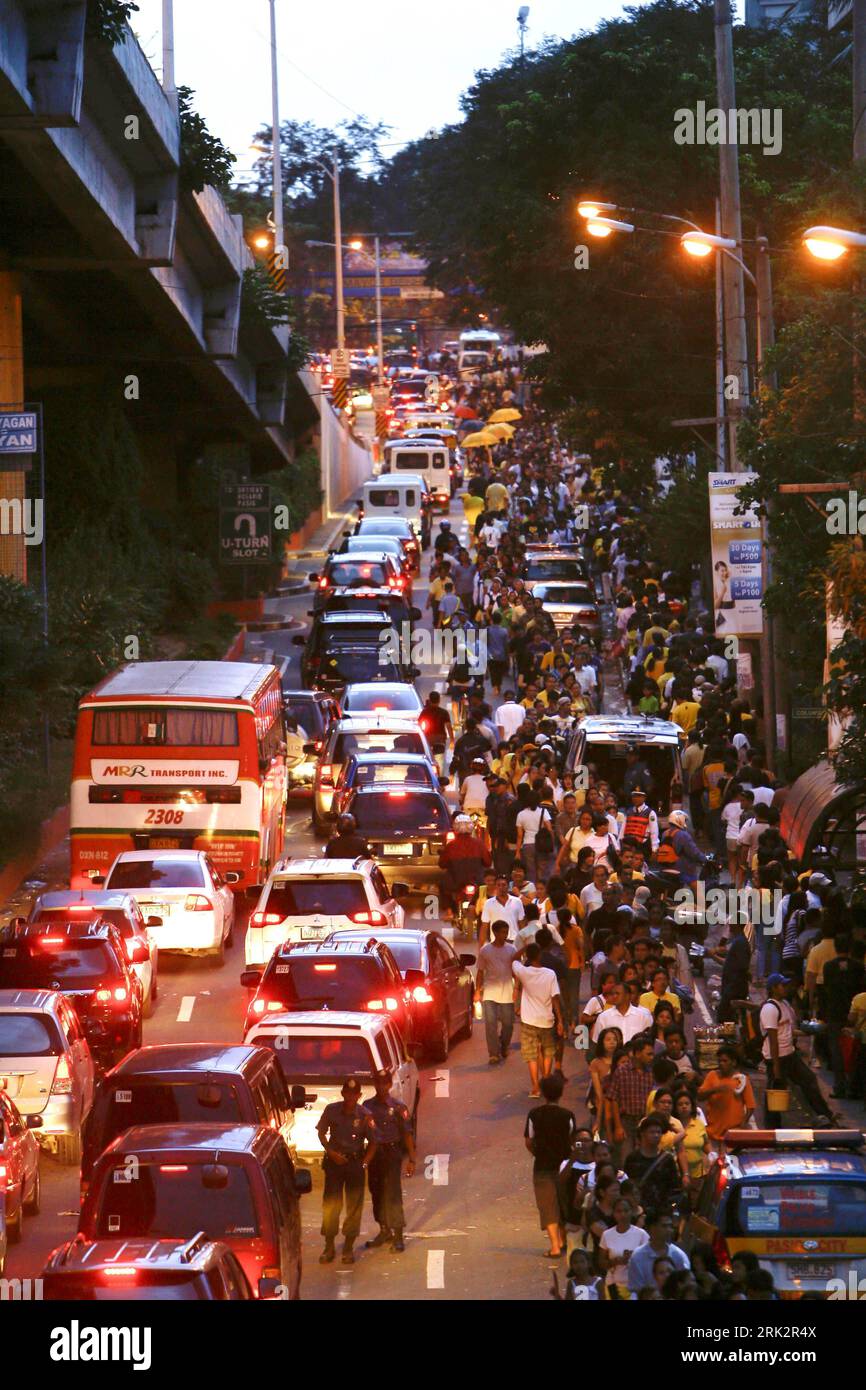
735, 541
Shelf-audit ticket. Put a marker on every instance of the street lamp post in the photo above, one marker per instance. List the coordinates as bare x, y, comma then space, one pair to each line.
280, 259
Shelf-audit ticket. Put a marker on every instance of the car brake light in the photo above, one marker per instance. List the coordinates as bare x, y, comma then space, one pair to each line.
397, 796
121, 995
121, 1271
380, 709
257, 1006
197, 902
173, 1168
82, 907
449, 835
325, 969
375, 1005
50, 940
3, 1173
422, 995
368, 919
102, 996
62, 1083
392, 1004
721, 1252
470, 889
266, 919
323, 583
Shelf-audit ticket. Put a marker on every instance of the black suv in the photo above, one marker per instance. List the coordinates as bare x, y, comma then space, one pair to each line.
345, 648
86, 962
358, 976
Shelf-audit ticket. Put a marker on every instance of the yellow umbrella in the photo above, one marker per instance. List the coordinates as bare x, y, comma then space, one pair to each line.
504, 416
481, 439
502, 431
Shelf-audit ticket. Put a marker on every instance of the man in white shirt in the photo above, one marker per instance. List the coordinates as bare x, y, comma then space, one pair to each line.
591, 895
505, 907
494, 989
509, 716
540, 1016
629, 1018
784, 1064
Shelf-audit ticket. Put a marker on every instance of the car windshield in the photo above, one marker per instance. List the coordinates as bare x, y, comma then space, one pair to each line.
48, 962
803, 1207
165, 1103
318, 1056
555, 569
406, 952
315, 897
306, 983
372, 700
170, 1199
28, 1035
377, 741
367, 572
399, 813
156, 873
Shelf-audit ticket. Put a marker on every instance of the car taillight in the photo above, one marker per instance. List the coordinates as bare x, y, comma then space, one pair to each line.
257, 1006
173, 1168
449, 835
266, 919
422, 995
587, 613
197, 902
397, 796
325, 969
326, 775
470, 890
62, 1083
4, 1175
375, 1005
323, 583
721, 1252
368, 919
103, 996
378, 1006
392, 1004
121, 994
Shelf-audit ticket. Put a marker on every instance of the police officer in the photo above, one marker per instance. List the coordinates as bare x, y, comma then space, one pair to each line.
348, 1140
392, 1131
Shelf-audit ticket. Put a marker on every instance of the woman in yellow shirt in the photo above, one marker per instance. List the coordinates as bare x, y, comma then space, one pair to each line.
696, 1143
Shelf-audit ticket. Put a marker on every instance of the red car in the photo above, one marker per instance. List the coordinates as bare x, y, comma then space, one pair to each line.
19, 1165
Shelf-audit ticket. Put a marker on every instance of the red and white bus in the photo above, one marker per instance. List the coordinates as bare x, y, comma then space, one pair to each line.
181, 755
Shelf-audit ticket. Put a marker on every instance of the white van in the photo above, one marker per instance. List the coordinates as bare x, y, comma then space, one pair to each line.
404, 495
427, 459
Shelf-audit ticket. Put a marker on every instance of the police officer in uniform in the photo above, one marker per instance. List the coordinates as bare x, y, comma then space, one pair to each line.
392, 1131
347, 1135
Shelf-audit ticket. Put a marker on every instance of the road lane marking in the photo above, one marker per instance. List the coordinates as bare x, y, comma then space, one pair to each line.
187, 1004
442, 1081
435, 1269
707, 1016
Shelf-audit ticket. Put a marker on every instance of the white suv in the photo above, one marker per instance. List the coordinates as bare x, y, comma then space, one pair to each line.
321, 1049
308, 899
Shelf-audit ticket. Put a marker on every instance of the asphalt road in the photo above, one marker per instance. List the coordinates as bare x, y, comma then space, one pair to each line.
472, 1226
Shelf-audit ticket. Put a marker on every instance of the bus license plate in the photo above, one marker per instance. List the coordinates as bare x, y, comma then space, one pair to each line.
810, 1269
165, 842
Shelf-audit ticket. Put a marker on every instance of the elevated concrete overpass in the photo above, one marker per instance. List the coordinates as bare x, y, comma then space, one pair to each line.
111, 268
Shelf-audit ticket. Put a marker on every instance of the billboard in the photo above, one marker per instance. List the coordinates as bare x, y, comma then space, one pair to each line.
735, 542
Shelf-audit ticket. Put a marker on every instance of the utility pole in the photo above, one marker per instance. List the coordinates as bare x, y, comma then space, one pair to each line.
721, 412
280, 260
379, 352
736, 339
338, 262
858, 95
169, 85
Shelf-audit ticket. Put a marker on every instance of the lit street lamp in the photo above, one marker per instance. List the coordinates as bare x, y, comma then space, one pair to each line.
829, 243
603, 226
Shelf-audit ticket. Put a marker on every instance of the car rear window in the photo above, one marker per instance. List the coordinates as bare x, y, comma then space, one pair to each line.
807, 1207
565, 594
309, 897
351, 634
28, 1035
392, 773
555, 569
407, 953
319, 1056
386, 497
57, 963
372, 700
367, 572
359, 664
162, 1103
307, 712
156, 873
170, 1199
348, 982
393, 813
377, 741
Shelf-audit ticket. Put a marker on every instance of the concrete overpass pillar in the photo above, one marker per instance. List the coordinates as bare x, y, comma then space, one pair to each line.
13, 551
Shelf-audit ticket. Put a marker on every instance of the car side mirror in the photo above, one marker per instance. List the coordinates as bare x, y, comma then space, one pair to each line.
154, 921
303, 1183
444, 780
232, 876
298, 1096
400, 890
415, 1050
269, 1288
467, 960
413, 671
310, 749
33, 1121
98, 879
314, 579
251, 979
415, 614
140, 954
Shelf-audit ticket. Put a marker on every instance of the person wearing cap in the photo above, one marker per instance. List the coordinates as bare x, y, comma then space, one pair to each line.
689, 858
641, 822
347, 1134
473, 790
392, 1132
783, 1062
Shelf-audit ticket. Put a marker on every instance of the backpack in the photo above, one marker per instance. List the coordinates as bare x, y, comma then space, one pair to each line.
544, 842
